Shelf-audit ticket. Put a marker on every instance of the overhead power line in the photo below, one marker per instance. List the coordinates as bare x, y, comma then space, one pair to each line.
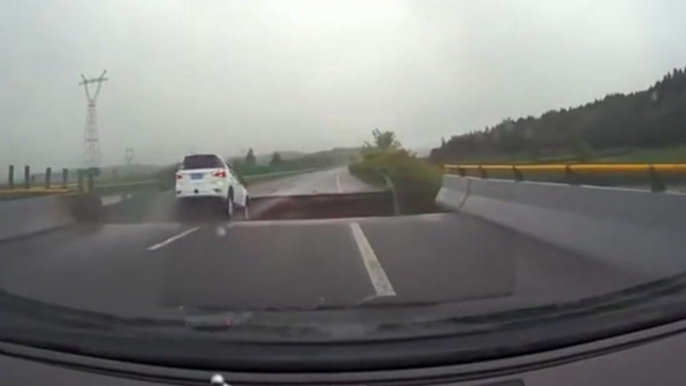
92, 155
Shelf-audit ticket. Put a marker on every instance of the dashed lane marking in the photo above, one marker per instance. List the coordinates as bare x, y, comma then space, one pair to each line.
338, 183
376, 273
173, 238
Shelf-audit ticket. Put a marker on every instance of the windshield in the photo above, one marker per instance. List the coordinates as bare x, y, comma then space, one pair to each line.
334, 171
201, 162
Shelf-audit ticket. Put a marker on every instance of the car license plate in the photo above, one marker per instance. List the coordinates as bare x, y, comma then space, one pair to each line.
196, 176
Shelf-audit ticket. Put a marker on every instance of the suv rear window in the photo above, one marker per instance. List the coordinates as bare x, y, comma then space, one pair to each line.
201, 162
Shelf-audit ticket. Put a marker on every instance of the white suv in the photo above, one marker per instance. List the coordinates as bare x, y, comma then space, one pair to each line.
208, 175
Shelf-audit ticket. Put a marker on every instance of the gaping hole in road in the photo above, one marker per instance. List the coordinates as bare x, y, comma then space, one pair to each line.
322, 206
163, 207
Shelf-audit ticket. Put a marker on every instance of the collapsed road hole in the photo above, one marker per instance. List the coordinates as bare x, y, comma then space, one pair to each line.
150, 209
322, 206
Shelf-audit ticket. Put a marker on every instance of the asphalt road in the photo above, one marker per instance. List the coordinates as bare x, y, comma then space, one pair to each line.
331, 181
154, 266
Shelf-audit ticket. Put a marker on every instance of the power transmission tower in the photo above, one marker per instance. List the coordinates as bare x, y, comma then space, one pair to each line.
130, 155
92, 139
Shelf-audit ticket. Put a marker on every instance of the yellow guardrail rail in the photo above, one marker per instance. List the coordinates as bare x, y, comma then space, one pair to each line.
71, 188
571, 172
36, 190
575, 167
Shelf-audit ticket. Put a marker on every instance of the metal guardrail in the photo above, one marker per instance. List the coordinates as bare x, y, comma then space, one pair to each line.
85, 185
391, 187
571, 172
576, 167
37, 190
88, 181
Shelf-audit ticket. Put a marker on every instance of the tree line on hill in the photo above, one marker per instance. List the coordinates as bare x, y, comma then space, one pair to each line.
650, 118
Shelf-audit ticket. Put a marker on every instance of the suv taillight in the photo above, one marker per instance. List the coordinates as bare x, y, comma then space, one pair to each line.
179, 176
219, 173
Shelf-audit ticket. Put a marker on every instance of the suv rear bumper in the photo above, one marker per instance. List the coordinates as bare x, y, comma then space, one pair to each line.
187, 193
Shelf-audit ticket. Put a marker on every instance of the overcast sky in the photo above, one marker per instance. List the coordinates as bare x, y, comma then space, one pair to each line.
222, 76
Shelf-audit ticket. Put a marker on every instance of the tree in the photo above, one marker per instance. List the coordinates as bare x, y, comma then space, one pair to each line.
250, 158
384, 141
653, 117
276, 159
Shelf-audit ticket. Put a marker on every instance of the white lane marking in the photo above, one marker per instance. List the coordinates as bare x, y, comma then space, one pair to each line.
338, 183
173, 238
433, 217
377, 275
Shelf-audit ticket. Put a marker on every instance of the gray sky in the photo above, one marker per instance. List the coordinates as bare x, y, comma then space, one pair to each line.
222, 75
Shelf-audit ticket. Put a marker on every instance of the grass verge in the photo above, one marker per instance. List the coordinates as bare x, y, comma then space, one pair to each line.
416, 182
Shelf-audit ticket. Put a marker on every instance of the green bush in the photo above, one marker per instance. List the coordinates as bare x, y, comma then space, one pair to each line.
416, 182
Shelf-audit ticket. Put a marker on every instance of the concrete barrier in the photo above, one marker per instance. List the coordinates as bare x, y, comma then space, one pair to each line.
24, 217
637, 231
454, 192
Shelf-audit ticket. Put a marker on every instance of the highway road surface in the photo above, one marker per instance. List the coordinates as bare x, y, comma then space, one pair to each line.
331, 181
151, 265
